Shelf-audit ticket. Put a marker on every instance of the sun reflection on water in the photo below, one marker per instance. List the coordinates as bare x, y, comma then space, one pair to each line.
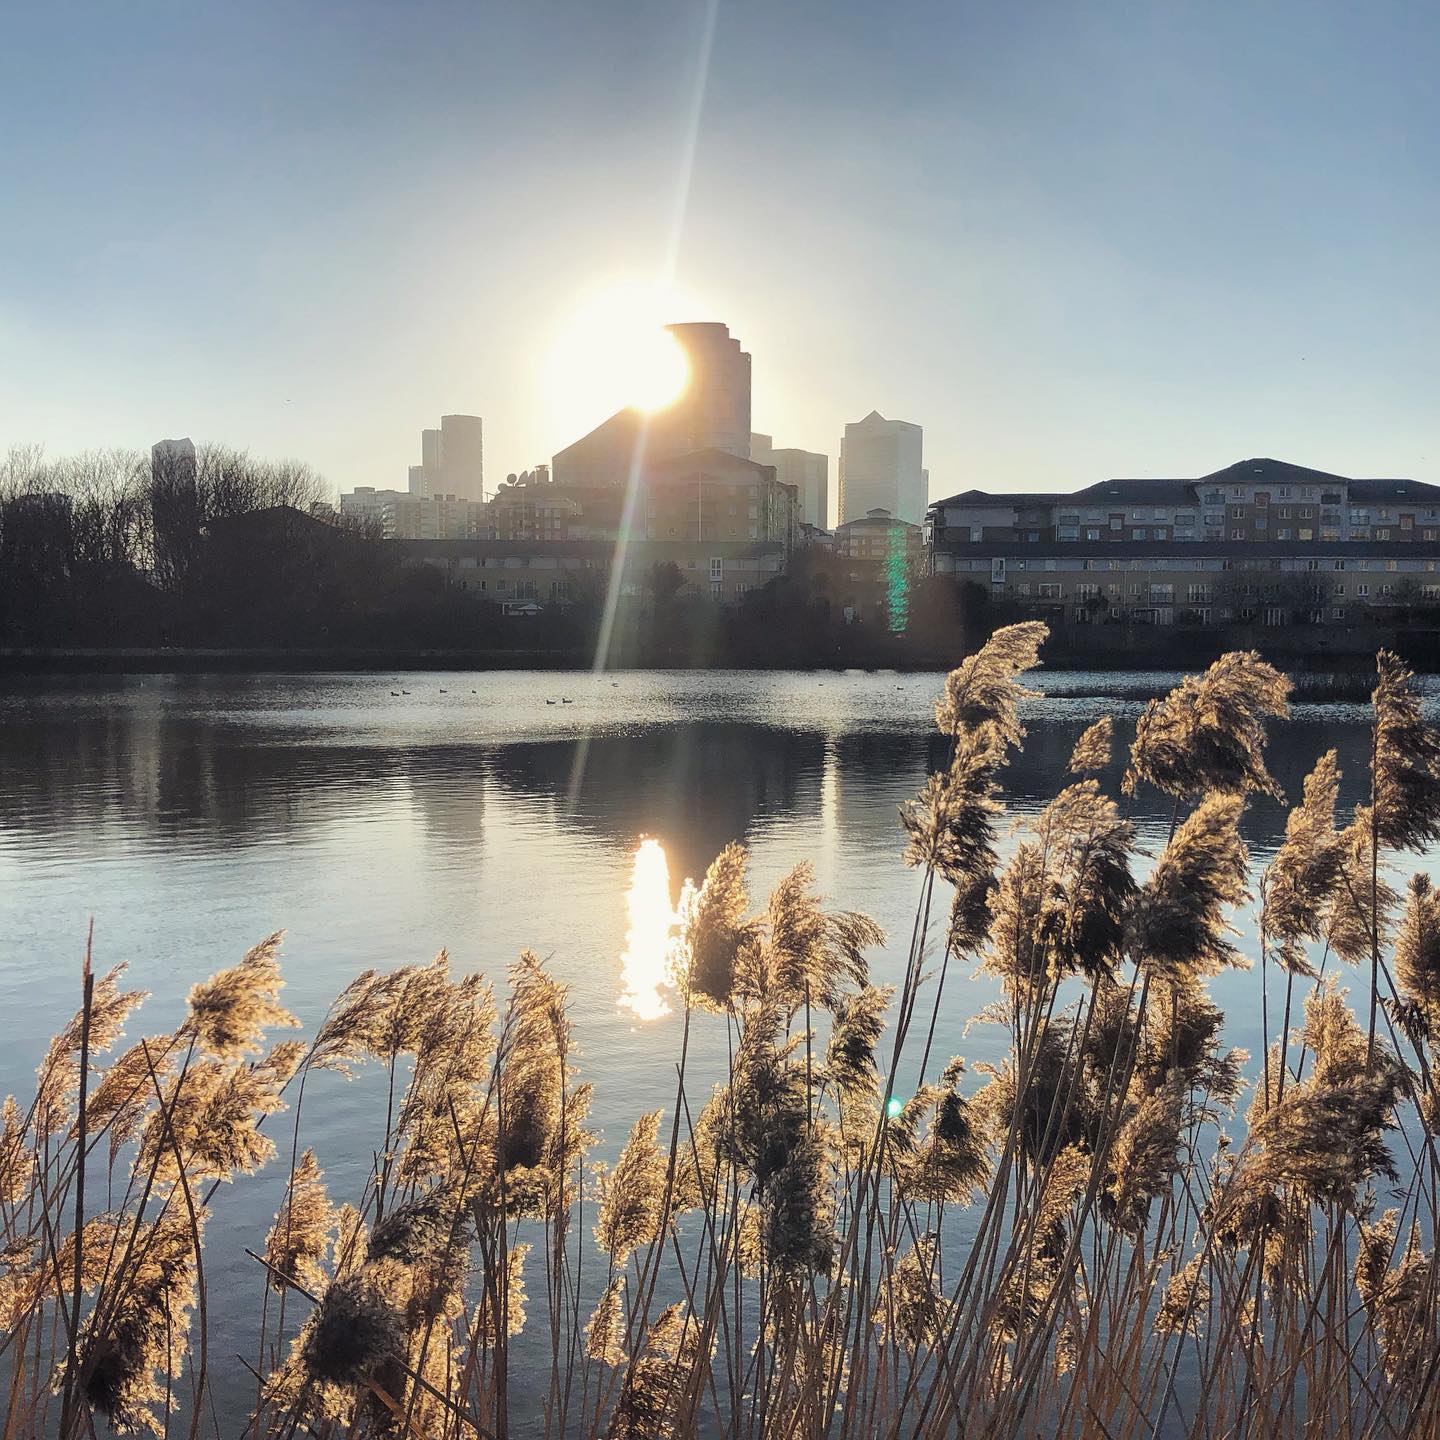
646, 965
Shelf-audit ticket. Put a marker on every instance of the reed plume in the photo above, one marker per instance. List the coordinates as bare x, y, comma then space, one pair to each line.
230, 1011
1092, 750
1208, 735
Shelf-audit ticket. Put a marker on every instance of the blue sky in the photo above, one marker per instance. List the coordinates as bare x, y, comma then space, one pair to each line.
1071, 240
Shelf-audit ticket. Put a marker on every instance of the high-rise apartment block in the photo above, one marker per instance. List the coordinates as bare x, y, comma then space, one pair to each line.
806, 470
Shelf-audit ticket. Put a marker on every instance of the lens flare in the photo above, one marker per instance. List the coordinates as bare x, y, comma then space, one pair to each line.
645, 965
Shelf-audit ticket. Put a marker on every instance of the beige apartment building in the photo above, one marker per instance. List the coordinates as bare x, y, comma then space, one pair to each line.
1261, 500
1260, 542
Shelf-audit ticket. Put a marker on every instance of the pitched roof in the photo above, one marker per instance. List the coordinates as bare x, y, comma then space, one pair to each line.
1139, 492
1393, 490
1262, 470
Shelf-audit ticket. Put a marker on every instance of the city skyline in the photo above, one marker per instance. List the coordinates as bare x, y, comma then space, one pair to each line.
1115, 241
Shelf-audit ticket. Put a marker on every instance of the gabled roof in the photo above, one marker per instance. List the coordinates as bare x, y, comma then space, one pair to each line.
1393, 490
1262, 470
1002, 497
1139, 492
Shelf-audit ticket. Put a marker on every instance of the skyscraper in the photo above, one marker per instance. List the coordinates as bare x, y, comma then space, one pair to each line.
713, 413
880, 469
462, 456
430, 462
806, 470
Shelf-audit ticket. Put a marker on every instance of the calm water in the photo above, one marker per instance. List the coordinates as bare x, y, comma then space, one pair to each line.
191, 816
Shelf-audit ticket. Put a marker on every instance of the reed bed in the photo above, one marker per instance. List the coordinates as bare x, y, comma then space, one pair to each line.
1111, 1233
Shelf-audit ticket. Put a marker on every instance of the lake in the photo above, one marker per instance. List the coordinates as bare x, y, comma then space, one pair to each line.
191, 816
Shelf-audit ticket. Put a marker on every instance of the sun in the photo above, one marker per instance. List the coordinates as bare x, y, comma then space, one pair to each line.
612, 352
657, 368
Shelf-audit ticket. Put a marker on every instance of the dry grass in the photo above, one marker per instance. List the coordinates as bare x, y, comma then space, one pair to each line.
1081, 1240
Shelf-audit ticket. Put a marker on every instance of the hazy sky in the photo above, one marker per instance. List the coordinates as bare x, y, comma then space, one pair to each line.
1072, 240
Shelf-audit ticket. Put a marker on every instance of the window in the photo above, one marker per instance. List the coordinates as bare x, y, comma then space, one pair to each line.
1117, 522
1163, 593
1282, 535
1092, 534
1284, 512
1237, 492
717, 568
1363, 591
1262, 497
715, 589
977, 533
1068, 532
1382, 534
1048, 590
1237, 534
1141, 534
1069, 520
1337, 612
1237, 512
1198, 594
1305, 533
1338, 591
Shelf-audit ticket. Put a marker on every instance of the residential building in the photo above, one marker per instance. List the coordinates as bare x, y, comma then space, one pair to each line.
703, 495
714, 495
880, 468
806, 470
1260, 542
561, 572
1257, 500
880, 536
878, 558
399, 515
417, 480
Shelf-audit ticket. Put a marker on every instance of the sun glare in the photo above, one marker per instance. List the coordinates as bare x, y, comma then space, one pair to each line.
613, 351
645, 965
